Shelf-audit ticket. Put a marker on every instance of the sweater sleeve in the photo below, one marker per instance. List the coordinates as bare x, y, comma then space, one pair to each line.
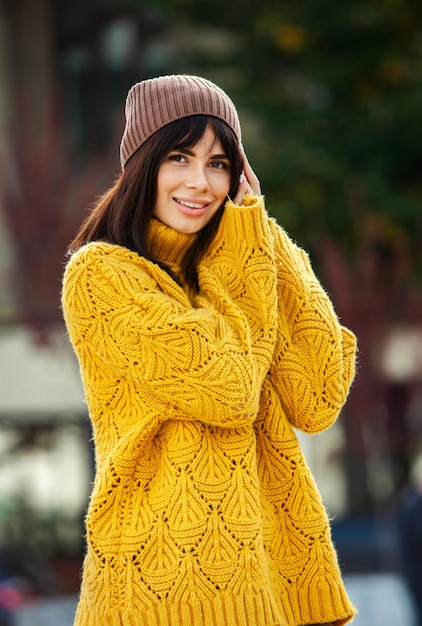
314, 361
128, 317
241, 263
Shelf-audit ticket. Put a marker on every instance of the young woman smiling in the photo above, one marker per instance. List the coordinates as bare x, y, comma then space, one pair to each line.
204, 339
192, 184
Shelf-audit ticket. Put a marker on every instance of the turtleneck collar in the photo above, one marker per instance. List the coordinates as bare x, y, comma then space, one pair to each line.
167, 244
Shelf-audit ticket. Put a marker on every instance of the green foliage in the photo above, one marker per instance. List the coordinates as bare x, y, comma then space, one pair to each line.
330, 95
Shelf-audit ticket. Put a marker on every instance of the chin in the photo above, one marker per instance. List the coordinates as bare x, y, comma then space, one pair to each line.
189, 231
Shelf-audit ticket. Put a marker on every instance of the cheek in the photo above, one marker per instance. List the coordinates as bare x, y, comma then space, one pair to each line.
223, 185
162, 181
167, 178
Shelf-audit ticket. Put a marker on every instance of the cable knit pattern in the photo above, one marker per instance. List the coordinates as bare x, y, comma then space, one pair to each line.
203, 511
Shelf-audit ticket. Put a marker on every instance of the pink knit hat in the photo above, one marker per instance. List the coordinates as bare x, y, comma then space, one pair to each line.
153, 103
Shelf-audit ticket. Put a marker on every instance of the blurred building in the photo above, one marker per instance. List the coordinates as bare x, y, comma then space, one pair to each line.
65, 69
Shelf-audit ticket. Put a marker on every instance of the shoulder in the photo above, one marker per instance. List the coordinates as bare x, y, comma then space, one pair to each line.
109, 263
99, 252
281, 237
286, 249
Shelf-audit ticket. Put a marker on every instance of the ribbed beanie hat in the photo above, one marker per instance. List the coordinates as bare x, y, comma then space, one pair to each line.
153, 103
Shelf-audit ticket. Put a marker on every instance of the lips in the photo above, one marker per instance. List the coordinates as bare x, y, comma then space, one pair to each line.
191, 205
188, 207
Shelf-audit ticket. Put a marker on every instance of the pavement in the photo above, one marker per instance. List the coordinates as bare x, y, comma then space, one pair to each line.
381, 599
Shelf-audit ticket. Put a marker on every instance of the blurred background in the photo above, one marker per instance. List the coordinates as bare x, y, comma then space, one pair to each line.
330, 100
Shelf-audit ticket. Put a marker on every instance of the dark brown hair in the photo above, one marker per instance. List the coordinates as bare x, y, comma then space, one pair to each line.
122, 214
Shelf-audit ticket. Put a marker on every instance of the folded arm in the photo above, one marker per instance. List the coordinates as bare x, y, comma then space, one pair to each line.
198, 360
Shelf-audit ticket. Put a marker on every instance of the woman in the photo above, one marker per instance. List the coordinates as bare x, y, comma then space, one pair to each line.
203, 338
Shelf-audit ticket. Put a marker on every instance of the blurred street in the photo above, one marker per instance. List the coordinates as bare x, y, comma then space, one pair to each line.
381, 599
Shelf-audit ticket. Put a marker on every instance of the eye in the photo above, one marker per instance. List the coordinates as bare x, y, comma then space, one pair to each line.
220, 165
176, 157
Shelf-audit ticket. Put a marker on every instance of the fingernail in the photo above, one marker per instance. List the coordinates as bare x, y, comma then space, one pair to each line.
242, 177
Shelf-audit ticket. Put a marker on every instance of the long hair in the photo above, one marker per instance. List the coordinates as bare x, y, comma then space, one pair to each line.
122, 215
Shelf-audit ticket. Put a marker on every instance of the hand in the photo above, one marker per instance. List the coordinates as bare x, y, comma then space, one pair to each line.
248, 183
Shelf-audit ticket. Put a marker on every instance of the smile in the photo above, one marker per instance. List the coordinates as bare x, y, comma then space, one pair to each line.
191, 205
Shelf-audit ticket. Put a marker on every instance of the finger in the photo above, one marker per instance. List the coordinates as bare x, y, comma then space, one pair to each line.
243, 189
250, 175
252, 179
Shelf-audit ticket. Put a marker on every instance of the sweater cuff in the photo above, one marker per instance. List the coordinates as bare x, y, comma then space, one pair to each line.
245, 225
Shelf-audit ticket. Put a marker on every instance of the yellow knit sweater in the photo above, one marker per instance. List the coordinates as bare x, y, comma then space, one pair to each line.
203, 511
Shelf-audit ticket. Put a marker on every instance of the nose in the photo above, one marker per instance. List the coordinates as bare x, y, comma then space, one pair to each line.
197, 178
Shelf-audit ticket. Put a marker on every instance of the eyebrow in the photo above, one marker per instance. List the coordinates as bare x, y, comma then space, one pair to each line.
189, 152
220, 156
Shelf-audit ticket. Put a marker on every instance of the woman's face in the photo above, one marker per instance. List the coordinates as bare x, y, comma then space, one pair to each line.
192, 184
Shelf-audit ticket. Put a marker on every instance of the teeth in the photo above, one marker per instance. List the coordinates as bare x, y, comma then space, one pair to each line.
191, 205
